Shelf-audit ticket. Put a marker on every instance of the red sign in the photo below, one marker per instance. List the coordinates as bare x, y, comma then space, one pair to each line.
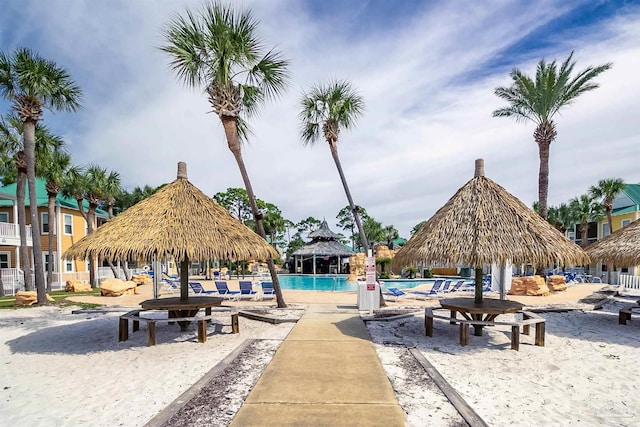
370, 273
371, 286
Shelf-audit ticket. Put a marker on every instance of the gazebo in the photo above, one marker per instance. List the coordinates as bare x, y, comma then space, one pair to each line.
323, 255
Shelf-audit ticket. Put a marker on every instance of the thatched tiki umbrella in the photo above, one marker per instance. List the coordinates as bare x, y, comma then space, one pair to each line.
482, 224
622, 247
180, 222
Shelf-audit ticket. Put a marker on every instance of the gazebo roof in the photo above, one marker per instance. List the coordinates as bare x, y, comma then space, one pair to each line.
324, 248
323, 232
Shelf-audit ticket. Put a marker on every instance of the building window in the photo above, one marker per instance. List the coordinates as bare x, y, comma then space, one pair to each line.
68, 224
4, 217
48, 258
44, 223
605, 229
68, 265
625, 222
4, 259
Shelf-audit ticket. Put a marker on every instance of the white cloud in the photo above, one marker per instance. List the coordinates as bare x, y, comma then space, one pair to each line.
426, 119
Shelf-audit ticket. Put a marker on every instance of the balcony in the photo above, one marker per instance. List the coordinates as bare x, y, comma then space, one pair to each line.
10, 234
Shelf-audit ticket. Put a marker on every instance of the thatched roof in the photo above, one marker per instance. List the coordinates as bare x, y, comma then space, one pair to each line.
323, 232
324, 248
177, 221
622, 247
481, 224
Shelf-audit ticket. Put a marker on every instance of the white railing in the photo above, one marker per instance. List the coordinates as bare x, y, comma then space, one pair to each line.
13, 280
629, 281
11, 233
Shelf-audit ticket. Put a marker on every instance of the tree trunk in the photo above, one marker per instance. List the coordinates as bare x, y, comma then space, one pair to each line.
28, 133
92, 260
544, 134
356, 216
230, 125
115, 271
127, 272
479, 286
584, 231
610, 219
22, 224
53, 224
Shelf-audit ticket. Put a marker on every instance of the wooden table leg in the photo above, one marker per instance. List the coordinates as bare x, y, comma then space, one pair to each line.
172, 314
207, 311
453, 317
464, 334
477, 329
123, 330
151, 333
540, 334
235, 324
202, 330
515, 337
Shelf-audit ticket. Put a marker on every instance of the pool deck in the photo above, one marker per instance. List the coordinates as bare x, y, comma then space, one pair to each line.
571, 295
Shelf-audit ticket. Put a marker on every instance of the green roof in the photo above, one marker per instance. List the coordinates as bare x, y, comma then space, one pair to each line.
633, 191
624, 210
43, 199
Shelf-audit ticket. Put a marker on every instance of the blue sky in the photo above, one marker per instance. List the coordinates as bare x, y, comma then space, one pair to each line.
426, 70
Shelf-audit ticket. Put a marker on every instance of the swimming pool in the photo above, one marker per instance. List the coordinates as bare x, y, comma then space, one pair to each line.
338, 283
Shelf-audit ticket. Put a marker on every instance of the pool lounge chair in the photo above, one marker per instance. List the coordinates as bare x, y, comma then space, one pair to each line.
224, 291
246, 290
395, 294
445, 287
170, 286
457, 286
431, 292
198, 289
267, 290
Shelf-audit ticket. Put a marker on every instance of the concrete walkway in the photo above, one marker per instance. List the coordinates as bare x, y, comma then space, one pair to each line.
326, 373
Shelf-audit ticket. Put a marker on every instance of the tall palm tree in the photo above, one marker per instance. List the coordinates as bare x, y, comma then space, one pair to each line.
539, 100
583, 210
11, 143
32, 83
607, 190
329, 109
53, 167
390, 233
219, 50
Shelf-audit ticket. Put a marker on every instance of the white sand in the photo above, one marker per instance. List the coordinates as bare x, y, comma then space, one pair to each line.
586, 375
60, 369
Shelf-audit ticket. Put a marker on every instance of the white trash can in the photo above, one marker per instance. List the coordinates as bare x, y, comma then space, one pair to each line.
368, 300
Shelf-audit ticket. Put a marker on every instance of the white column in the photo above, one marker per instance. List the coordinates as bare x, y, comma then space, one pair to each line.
314, 264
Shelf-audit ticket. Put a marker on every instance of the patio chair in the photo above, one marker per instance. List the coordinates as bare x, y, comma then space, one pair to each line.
198, 289
395, 294
246, 290
445, 287
224, 291
171, 286
433, 291
457, 286
267, 290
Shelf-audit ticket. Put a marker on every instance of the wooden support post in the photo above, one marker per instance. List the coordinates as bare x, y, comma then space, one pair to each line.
202, 330
623, 316
123, 330
526, 329
151, 333
428, 326
235, 324
464, 334
515, 337
540, 334
136, 325
207, 311
453, 316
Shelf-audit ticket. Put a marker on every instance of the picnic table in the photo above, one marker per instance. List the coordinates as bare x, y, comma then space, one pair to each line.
486, 311
180, 309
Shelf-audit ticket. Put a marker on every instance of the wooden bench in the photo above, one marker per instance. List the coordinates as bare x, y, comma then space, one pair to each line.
134, 316
528, 319
625, 313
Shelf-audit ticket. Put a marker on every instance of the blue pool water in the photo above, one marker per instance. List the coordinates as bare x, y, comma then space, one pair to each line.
339, 283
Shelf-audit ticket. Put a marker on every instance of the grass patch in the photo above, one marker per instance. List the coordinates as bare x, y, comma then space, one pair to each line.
60, 299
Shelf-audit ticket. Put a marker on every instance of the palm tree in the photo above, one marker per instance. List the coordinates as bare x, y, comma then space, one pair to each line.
607, 190
32, 83
53, 167
584, 209
329, 109
11, 142
390, 233
220, 51
539, 100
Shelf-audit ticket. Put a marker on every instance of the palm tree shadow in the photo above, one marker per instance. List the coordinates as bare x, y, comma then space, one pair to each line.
96, 335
